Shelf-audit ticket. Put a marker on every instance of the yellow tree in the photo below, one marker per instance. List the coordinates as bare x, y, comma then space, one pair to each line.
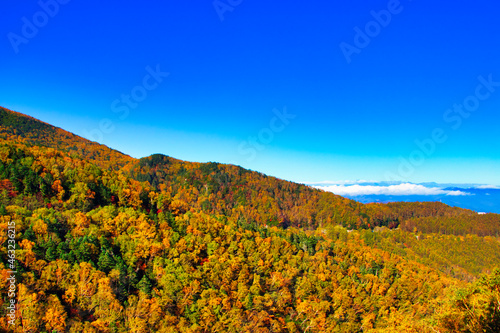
55, 315
105, 306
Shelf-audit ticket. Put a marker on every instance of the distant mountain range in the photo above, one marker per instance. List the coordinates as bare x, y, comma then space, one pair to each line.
476, 197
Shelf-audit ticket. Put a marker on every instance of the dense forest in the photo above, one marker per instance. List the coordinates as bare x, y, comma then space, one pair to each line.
109, 243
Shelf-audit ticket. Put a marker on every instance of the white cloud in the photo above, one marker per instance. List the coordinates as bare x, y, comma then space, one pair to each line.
339, 182
400, 189
488, 187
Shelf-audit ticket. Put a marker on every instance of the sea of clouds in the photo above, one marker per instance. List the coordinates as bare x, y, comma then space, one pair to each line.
477, 197
400, 189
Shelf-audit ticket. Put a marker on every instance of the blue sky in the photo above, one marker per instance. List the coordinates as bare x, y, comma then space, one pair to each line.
293, 90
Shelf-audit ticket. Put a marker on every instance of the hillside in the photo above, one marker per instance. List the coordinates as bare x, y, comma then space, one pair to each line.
107, 243
17, 127
266, 200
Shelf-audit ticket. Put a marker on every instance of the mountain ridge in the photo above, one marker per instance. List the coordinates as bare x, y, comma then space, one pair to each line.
24, 128
108, 243
294, 204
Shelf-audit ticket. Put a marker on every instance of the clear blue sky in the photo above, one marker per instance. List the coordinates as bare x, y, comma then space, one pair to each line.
358, 104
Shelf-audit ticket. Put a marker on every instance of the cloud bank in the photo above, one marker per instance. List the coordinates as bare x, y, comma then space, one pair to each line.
399, 189
488, 187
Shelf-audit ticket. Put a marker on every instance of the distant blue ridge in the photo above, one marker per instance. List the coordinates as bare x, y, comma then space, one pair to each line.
481, 200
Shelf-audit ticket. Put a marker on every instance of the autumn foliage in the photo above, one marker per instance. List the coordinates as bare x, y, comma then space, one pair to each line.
108, 243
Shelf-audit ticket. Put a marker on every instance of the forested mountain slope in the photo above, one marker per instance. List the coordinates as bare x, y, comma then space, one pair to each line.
162, 245
17, 127
232, 190
257, 198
